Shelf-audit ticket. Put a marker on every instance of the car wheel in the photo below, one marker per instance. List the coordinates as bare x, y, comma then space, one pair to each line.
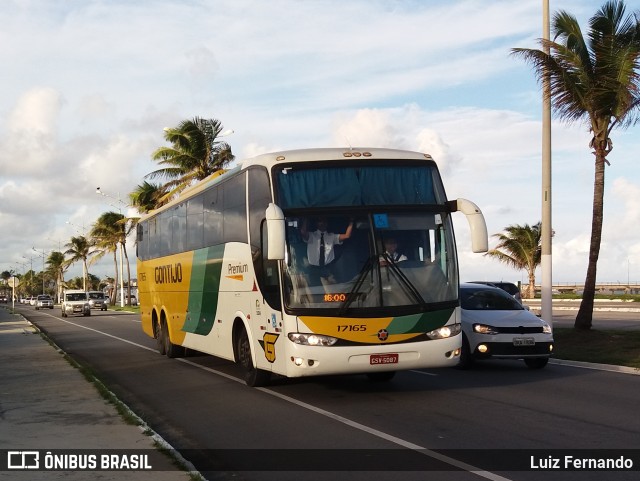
466, 359
252, 376
536, 362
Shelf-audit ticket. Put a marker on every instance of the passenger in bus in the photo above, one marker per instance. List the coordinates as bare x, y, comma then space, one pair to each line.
321, 249
391, 254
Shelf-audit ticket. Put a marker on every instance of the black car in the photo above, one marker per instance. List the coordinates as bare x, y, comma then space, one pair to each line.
509, 287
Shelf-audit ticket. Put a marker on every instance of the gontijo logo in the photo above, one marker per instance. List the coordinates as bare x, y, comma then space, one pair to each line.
169, 274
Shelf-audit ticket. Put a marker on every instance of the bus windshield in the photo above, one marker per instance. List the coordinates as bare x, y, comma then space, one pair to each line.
373, 260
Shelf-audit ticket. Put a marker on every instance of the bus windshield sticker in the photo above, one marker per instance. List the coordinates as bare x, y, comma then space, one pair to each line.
381, 221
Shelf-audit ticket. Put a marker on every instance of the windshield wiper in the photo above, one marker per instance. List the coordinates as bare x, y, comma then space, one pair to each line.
404, 280
362, 275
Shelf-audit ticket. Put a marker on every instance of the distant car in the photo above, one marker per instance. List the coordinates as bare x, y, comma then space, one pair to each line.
75, 302
495, 325
134, 301
97, 300
32, 301
43, 301
4, 299
509, 287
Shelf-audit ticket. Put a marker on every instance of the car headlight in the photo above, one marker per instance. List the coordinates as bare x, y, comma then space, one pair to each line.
485, 329
445, 331
312, 339
546, 328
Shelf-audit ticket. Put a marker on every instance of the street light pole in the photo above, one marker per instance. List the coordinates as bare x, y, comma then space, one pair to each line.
546, 231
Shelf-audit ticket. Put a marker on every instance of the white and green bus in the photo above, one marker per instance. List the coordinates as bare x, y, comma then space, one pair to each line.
231, 268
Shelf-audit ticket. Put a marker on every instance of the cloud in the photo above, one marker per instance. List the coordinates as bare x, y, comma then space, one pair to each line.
28, 145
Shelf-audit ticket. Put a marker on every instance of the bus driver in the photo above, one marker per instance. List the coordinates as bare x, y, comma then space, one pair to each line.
320, 248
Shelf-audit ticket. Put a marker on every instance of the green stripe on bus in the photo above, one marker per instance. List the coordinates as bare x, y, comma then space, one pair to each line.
203, 290
425, 322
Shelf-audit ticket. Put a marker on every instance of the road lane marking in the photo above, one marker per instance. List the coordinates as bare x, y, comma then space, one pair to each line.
423, 373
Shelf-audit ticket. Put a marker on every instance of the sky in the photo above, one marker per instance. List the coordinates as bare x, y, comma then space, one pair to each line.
87, 87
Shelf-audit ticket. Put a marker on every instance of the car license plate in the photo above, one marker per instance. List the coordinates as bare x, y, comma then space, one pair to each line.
383, 359
524, 341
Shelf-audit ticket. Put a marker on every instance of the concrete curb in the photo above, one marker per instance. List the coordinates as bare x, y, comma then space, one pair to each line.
597, 367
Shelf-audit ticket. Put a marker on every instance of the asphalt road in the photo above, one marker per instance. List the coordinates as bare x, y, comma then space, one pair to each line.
443, 424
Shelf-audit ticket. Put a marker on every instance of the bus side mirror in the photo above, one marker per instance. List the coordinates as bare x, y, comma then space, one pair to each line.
275, 232
477, 224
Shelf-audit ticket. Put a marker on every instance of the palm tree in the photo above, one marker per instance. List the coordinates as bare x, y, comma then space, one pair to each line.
106, 236
148, 196
519, 247
594, 80
195, 153
57, 267
109, 232
79, 249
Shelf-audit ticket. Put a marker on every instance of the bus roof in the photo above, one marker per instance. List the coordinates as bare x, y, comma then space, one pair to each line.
310, 155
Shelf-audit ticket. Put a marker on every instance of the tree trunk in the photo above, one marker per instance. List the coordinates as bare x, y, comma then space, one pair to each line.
585, 313
126, 256
531, 289
114, 291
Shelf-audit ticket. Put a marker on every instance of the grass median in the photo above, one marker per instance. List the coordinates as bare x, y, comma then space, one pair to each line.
618, 347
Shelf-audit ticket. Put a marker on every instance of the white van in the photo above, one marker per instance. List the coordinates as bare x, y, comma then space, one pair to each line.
75, 302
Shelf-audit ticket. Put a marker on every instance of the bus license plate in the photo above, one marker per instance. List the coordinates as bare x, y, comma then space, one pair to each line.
524, 341
383, 359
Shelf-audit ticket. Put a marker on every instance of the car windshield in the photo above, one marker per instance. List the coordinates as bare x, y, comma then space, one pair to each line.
43, 298
96, 295
487, 299
76, 297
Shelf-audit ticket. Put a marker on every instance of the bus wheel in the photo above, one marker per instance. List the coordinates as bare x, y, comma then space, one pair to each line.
171, 350
252, 376
381, 376
160, 331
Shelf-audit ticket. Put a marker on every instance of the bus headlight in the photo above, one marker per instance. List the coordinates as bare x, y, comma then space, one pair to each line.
312, 339
445, 331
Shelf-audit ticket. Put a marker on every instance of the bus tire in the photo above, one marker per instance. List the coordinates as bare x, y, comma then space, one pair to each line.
160, 334
252, 376
171, 350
